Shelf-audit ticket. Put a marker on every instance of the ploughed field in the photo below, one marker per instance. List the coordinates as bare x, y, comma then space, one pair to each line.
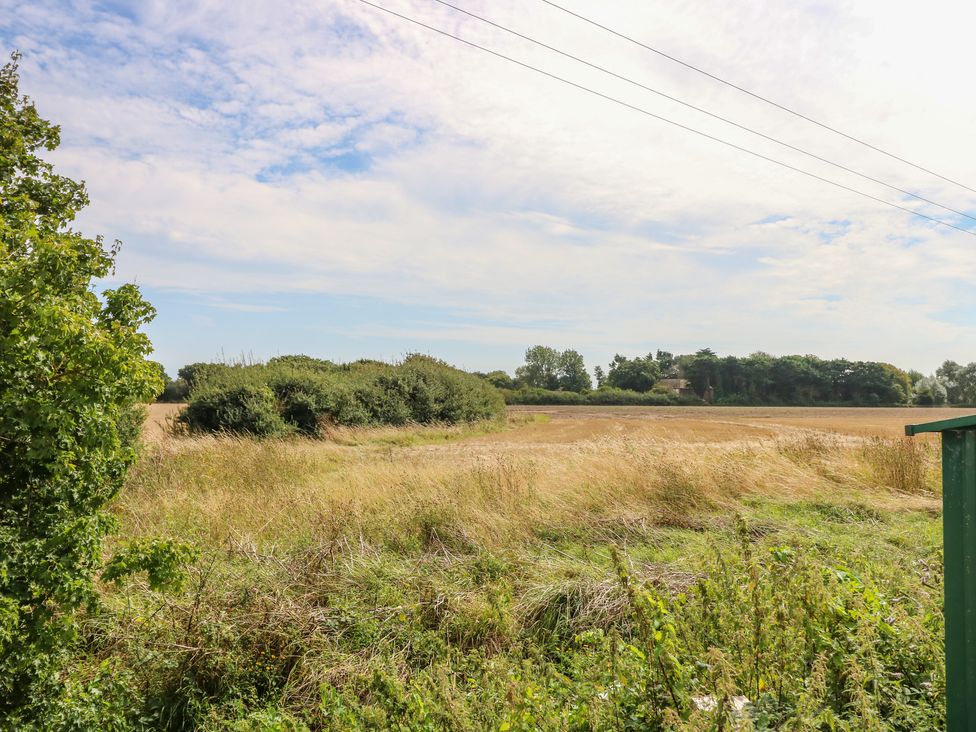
567, 568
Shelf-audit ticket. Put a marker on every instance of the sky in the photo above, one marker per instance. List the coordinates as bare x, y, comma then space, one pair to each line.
324, 178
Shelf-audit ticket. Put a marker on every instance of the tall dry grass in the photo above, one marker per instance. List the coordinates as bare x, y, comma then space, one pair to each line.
379, 489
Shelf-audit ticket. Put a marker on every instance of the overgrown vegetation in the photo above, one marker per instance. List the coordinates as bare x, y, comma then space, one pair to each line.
617, 585
72, 370
299, 394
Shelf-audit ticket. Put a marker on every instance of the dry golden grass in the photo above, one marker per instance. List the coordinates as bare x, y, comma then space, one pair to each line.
160, 421
471, 486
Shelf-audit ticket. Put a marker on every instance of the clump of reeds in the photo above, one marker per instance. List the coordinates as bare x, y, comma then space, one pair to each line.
903, 465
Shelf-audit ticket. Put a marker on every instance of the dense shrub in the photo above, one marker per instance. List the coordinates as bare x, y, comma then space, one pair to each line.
175, 391
72, 370
197, 375
626, 397
528, 395
299, 393
304, 363
239, 408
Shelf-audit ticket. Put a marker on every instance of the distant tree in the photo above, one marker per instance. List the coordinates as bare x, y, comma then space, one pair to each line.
950, 375
902, 380
967, 385
764, 379
600, 376
959, 381
571, 372
755, 377
930, 391
194, 373
173, 390
637, 374
870, 383
915, 376
547, 368
541, 369
702, 370
798, 380
500, 380
666, 362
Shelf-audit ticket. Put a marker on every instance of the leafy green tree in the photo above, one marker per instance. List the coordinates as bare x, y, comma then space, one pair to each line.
929, 391
572, 374
667, 362
702, 370
72, 368
500, 380
547, 368
798, 379
967, 379
959, 381
635, 374
541, 369
949, 374
877, 383
195, 374
600, 376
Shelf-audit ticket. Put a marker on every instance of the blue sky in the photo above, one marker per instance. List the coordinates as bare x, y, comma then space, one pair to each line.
321, 178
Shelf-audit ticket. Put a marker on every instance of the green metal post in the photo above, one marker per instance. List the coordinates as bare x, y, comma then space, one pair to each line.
959, 536
959, 524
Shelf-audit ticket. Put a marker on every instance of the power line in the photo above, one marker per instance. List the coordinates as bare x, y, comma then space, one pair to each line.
704, 111
664, 119
761, 98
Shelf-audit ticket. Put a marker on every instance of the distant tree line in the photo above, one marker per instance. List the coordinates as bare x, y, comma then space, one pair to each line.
549, 376
951, 383
796, 380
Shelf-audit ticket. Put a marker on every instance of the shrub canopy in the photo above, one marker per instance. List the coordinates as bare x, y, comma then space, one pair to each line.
305, 395
72, 367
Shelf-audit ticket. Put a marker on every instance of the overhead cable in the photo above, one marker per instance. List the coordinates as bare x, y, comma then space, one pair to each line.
664, 119
755, 95
705, 111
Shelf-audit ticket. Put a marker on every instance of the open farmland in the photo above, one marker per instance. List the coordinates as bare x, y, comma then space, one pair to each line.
570, 568
718, 423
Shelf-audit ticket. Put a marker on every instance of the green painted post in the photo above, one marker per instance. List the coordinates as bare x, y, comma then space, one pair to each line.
959, 537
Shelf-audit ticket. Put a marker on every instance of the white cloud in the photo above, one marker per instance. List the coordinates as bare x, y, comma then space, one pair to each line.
210, 134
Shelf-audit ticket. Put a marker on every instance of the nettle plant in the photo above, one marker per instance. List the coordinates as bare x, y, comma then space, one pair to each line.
73, 369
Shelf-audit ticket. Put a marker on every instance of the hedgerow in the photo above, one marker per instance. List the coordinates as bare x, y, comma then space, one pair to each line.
306, 395
604, 396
